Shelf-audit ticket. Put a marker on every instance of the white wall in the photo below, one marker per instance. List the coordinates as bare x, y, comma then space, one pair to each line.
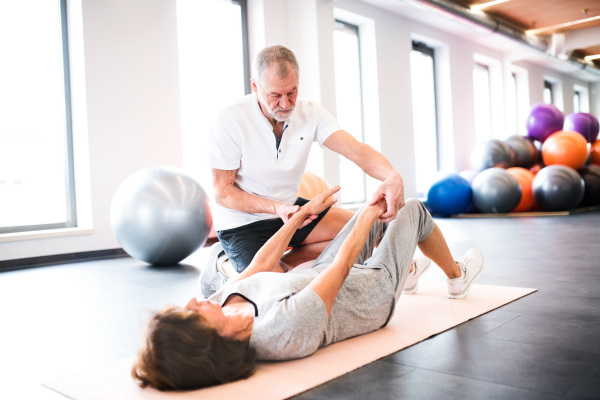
595, 99
537, 75
133, 113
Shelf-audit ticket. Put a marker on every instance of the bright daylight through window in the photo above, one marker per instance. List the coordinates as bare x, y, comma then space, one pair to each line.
512, 114
424, 115
36, 161
213, 72
349, 106
483, 104
548, 93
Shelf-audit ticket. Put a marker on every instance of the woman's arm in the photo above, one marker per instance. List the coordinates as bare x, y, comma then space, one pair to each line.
267, 258
330, 281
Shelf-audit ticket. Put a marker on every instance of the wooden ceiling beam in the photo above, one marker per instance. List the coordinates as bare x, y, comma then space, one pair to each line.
488, 4
559, 26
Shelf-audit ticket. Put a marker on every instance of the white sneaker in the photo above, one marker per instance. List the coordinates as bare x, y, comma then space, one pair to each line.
212, 277
420, 265
471, 265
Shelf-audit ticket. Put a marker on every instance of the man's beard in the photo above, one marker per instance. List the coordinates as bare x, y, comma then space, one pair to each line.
275, 114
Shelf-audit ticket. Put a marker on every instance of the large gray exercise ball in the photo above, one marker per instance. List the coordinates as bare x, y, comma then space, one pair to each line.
558, 188
491, 154
496, 191
160, 215
526, 154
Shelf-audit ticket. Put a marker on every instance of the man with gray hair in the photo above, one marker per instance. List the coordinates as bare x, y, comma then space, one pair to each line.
258, 153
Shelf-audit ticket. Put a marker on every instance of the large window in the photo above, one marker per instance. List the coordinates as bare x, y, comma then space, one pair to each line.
349, 106
36, 156
483, 103
581, 99
512, 112
548, 93
577, 101
422, 72
213, 72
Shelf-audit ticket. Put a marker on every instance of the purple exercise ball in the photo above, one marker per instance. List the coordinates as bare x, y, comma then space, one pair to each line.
543, 121
584, 123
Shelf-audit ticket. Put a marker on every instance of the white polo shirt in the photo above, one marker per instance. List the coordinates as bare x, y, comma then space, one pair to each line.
243, 140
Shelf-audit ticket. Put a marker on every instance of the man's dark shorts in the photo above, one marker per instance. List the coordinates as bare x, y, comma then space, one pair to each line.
242, 243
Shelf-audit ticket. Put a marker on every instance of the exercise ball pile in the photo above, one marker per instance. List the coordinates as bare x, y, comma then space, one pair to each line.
160, 215
555, 167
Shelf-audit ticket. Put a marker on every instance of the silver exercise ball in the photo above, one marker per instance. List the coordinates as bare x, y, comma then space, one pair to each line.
160, 215
496, 191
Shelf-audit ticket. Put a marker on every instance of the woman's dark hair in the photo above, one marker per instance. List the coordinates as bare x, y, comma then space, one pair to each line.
180, 351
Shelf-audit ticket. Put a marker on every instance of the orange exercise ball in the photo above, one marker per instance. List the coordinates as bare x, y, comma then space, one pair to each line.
525, 179
565, 148
595, 150
311, 185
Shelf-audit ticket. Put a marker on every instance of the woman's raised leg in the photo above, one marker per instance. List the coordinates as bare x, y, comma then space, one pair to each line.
375, 235
395, 253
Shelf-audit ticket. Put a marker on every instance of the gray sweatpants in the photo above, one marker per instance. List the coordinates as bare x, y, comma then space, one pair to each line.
399, 240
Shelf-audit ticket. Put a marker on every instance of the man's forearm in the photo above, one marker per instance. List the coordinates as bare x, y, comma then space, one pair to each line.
236, 199
373, 163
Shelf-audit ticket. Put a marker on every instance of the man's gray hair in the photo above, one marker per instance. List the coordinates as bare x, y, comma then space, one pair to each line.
281, 56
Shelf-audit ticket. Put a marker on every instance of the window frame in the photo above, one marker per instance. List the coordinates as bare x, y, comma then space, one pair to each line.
71, 220
548, 85
577, 94
356, 30
481, 66
245, 44
430, 51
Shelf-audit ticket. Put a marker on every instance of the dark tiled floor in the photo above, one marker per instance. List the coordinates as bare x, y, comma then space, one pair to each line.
62, 319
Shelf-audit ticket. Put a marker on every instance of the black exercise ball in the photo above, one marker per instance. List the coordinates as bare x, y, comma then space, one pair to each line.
558, 188
591, 179
491, 154
526, 154
496, 191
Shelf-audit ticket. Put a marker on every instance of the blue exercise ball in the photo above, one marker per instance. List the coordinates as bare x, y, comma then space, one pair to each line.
496, 191
160, 215
450, 195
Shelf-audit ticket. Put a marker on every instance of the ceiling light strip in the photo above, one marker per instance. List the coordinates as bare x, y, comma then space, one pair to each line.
488, 4
594, 57
551, 28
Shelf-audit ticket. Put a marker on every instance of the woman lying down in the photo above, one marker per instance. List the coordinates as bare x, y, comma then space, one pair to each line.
265, 314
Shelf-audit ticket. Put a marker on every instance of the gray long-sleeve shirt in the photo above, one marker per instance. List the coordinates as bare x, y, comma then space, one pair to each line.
291, 319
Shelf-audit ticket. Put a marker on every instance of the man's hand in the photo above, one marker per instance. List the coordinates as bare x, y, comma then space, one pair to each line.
285, 212
310, 210
393, 191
